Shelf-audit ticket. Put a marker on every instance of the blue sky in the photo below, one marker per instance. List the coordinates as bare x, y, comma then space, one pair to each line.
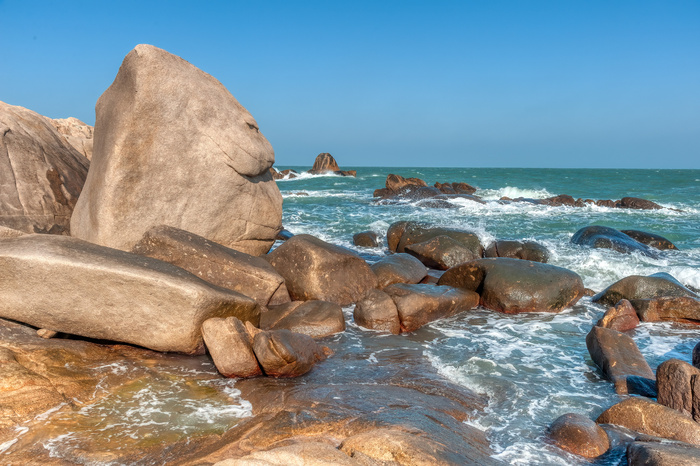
463, 83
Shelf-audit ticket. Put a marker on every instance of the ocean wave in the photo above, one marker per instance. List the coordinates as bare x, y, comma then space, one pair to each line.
514, 192
306, 176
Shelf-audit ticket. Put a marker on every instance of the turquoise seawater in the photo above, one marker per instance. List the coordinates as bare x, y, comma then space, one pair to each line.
533, 367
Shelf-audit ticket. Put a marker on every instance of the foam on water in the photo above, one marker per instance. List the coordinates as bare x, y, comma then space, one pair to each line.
513, 192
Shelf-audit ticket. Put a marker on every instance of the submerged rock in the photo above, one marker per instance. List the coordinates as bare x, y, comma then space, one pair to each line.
325, 164
174, 147
579, 435
610, 238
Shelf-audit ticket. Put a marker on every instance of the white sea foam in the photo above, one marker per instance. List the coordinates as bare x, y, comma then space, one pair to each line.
513, 192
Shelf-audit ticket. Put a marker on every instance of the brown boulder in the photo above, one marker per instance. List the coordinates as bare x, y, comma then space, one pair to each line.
394, 234
397, 183
76, 133
316, 319
579, 435
314, 269
644, 416
662, 454
679, 309
658, 285
366, 239
398, 268
617, 356
415, 233
526, 250
325, 163
622, 317
442, 252
225, 267
41, 175
455, 188
282, 353
231, 347
673, 383
637, 203
377, 311
650, 239
174, 147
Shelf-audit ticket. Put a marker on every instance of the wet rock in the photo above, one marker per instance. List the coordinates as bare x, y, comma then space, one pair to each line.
650, 239
366, 239
658, 285
696, 355
76, 133
414, 233
579, 435
377, 311
637, 203
249, 275
617, 356
513, 285
680, 309
645, 416
622, 317
306, 453
642, 386
662, 454
76, 287
418, 305
394, 234
673, 382
316, 319
174, 147
610, 238
284, 235
526, 250
396, 185
284, 174
41, 174
455, 188
398, 268
231, 347
325, 163
282, 353
561, 200
314, 269
442, 252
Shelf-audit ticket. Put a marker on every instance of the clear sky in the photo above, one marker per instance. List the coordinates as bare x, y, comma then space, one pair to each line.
397, 83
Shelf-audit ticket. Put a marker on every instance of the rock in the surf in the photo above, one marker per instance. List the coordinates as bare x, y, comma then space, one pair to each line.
622, 317
314, 269
366, 239
72, 286
673, 383
609, 238
579, 435
658, 285
617, 356
396, 185
174, 147
644, 416
526, 250
394, 234
398, 268
637, 203
326, 164
316, 319
650, 239
415, 232
76, 133
514, 285
41, 175
282, 353
377, 311
231, 347
662, 454
249, 275
442, 252
455, 188
682, 309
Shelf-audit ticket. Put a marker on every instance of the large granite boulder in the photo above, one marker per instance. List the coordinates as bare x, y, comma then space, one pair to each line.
415, 232
231, 347
72, 286
674, 385
526, 250
282, 353
398, 268
635, 287
609, 238
377, 311
317, 319
514, 285
662, 454
366, 239
76, 133
579, 435
326, 164
249, 275
617, 356
650, 239
622, 317
314, 269
679, 309
174, 147
41, 175
442, 252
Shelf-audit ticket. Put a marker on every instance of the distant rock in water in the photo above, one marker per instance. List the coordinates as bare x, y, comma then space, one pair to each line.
41, 175
174, 147
398, 188
77, 134
284, 174
566, 200
326, 164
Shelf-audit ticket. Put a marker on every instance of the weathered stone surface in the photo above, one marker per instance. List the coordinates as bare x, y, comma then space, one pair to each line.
10, 232
325, 163
673, 379
658, 285
513, 285
316, 319
579, 435
174, 147
441, 252
398, 268
377, 311
418, 305
617, 356
415, 232
526, 250
610, 238
231, 347
75, 287
455, 188
696, 355
76, 133
622, 317
282, 353
284, 174
41, 175
695, 396
662, 454
367, 239
394, 234
314, 269
645, 416
249, 275
650, 239
305, 453
679, 309
637, 203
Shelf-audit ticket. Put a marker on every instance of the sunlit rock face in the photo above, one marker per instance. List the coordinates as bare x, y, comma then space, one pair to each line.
173, 147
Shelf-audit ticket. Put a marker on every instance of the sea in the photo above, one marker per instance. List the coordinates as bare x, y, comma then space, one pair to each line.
532, 368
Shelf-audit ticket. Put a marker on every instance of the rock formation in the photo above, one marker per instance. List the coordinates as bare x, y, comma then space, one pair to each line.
326, 164
76, 133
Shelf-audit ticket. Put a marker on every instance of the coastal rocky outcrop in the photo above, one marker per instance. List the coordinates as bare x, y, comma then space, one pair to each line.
325, 164
397, 188
513, 286
569, 201
76, 133
41, 175
314, 269
284, 174
72, 286
174, 147
609, 238
526, 250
